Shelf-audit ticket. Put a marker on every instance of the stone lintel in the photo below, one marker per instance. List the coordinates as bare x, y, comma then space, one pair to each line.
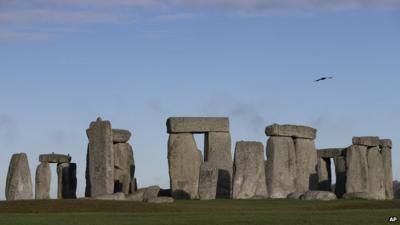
197, 124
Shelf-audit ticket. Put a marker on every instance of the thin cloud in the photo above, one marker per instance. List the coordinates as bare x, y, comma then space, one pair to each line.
175, 17
23, 36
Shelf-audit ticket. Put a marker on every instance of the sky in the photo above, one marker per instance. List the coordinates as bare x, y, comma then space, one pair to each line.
138, 62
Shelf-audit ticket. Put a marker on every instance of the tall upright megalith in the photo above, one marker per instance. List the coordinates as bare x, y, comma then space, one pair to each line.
291, 160
67, 181
386, 151
100, 180
217, 146
42, 181
357, 169
184, 166
19, 181
249, 171
376, 176
110, 163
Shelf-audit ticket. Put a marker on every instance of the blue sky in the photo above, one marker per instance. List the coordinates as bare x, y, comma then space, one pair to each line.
136, 63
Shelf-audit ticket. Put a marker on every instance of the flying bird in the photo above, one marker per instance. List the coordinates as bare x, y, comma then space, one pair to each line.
323, 78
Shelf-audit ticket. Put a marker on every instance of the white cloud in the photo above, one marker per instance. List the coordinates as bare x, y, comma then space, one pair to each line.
174, 17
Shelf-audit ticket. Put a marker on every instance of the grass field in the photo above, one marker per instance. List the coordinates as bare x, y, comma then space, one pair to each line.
219, 212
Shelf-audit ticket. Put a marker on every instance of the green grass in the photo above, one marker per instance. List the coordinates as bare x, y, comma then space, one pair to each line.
219, 212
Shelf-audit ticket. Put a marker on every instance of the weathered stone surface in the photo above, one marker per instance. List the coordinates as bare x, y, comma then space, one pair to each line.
340, 169
319, 195
208, 181
111, 197
376, 176
121, 136
151, 193
330, 152
249, 173
184, 166
366, 141
387, 170
67, 181
281, 169
324, 174
136, 196
306, 165
357, 169
295, 195
217, 151
161, 200
356, 195
100, 159
197, 124
134, 186
124, 168
55, 158
291, 131
19, 181
43, 181
385, 143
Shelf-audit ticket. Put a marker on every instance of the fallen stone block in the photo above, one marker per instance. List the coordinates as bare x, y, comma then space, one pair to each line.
319, 195
111, 197
19, 181
295, 195
366, 141
161, 200
197, 124
291, 131
121, 136
249, 174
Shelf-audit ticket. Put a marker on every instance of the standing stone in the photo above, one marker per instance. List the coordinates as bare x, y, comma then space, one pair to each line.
101, 158
43, 181
184, 166
357, 169
208, 181
217, 151
306, 165
324, 174
19, 181
124, 168
281, 166
386, 151
340, 169
67, 181
249, 171
376, 176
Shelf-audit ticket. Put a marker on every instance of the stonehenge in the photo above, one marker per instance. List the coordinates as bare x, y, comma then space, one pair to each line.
110, 164
291, 160
66, 176
293, 168
184, 161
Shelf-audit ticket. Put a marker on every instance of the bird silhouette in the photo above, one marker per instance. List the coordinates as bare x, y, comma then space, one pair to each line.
323, 78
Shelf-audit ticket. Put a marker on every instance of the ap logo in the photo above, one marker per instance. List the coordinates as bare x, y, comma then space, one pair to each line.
393, 219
